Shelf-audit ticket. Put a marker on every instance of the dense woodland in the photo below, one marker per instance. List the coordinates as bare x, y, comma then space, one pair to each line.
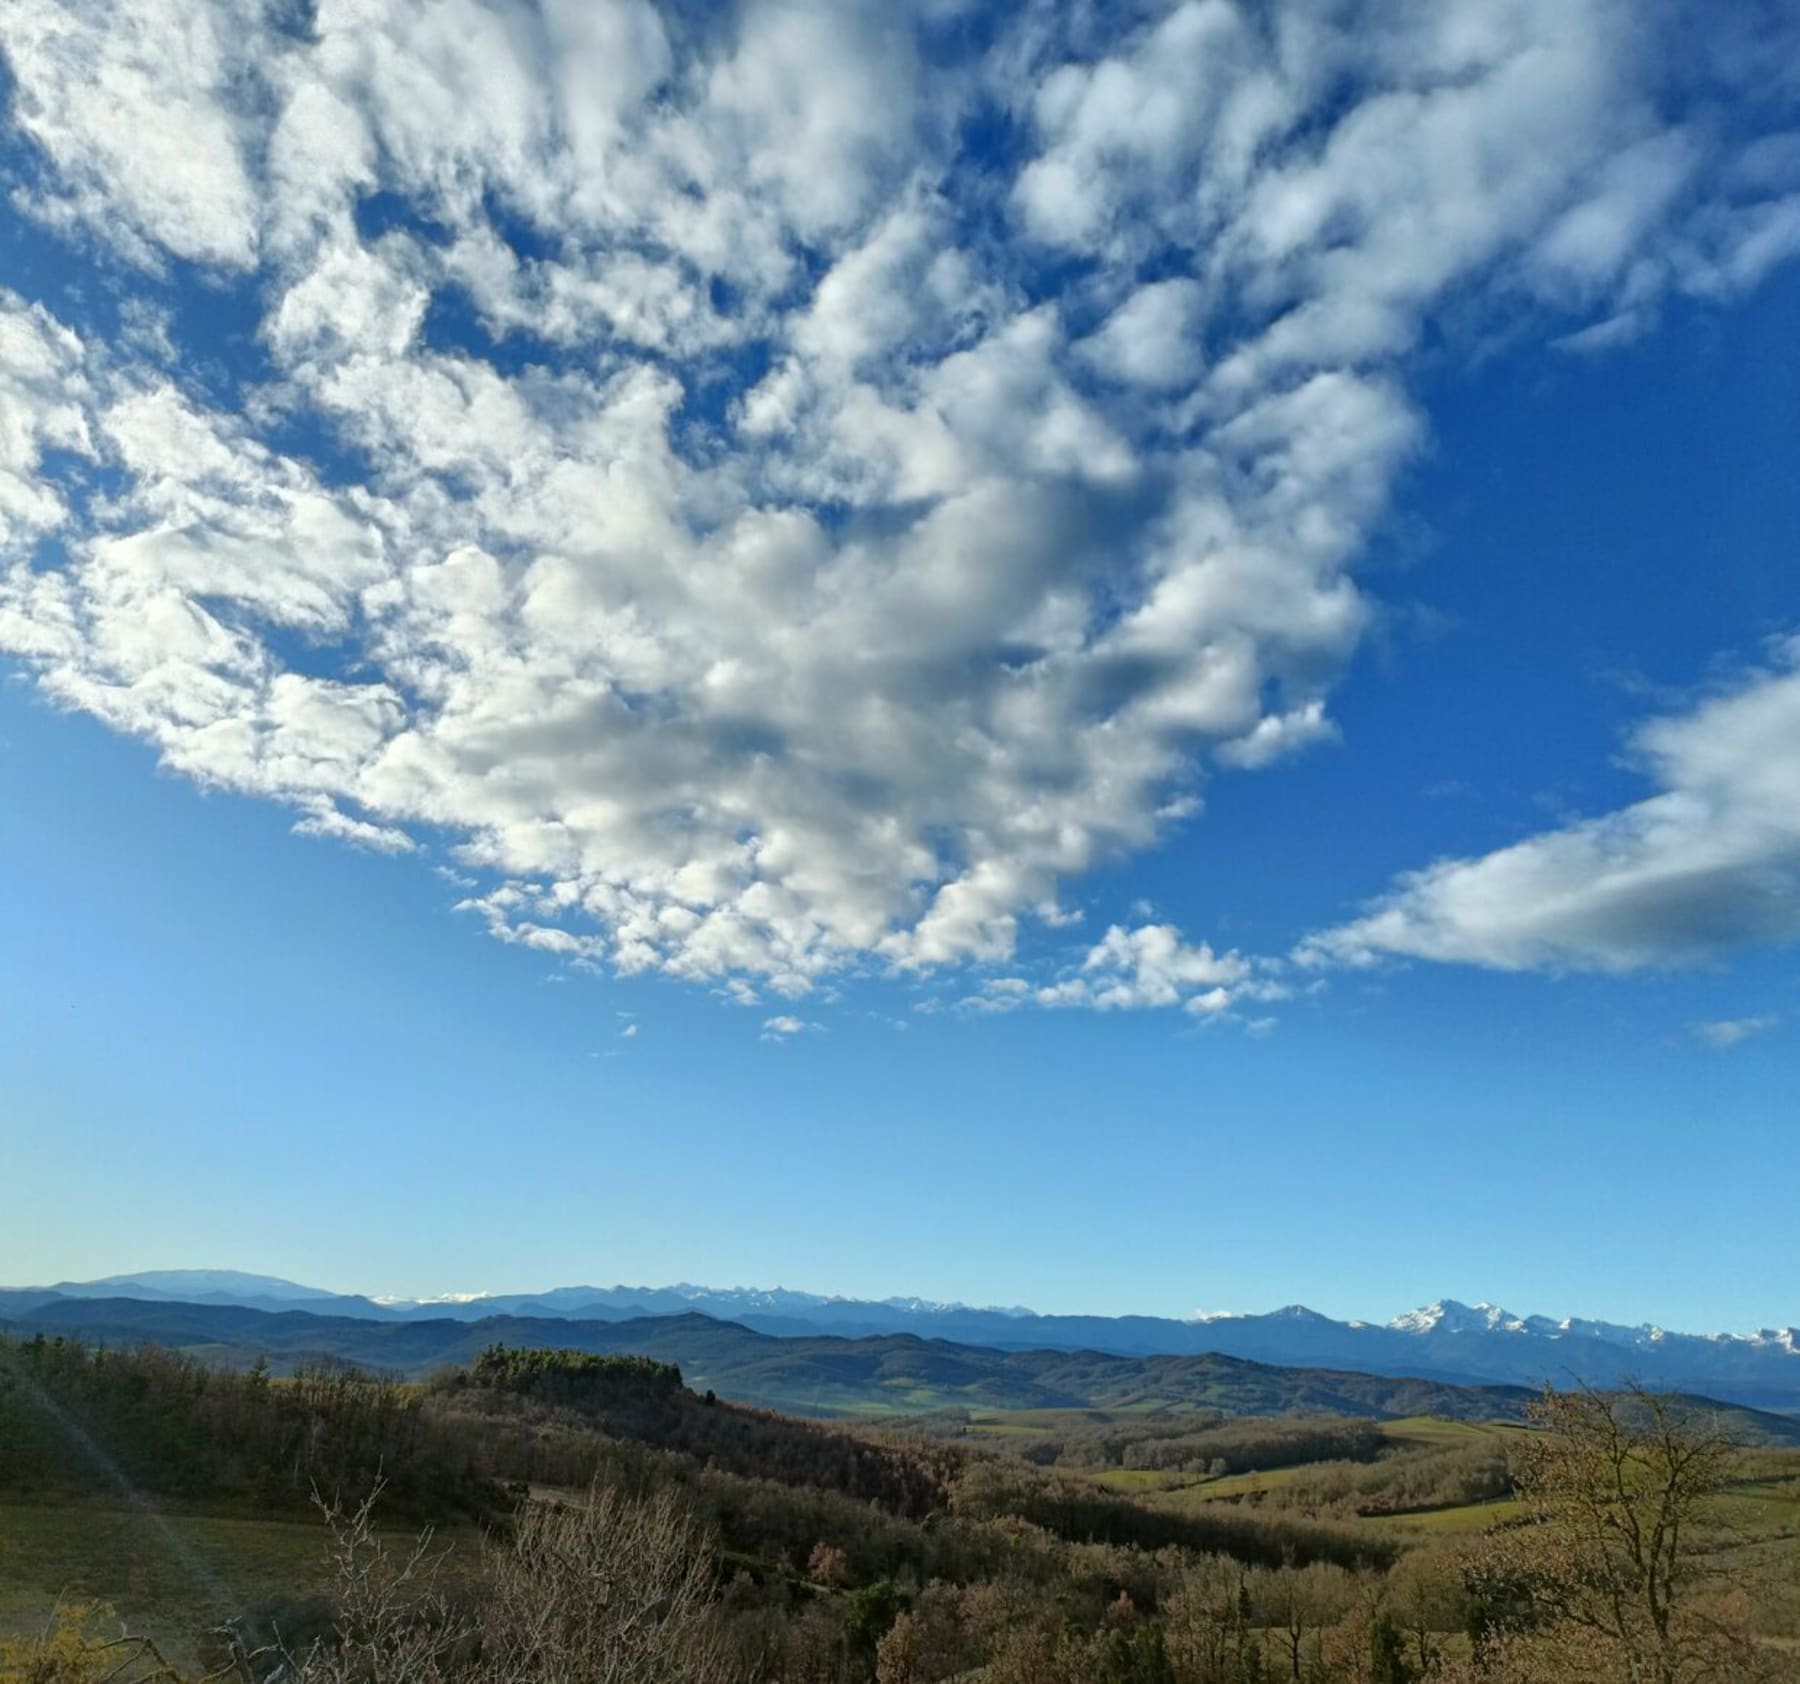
631, 1529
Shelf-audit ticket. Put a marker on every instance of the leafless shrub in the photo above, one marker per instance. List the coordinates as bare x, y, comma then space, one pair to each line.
604, 1591
393, 1624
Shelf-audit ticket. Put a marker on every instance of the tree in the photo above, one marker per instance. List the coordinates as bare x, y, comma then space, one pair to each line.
1387, 1651
869, 1613
897, 1655
1598, 1581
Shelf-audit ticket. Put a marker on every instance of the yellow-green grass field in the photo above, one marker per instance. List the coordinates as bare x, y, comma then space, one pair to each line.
1761, 1508
171, 1576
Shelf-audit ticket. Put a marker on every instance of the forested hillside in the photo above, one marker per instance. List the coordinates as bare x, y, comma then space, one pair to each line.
1168, 1547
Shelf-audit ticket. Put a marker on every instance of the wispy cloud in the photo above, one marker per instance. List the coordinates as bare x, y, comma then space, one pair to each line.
1722, 1034
324, 819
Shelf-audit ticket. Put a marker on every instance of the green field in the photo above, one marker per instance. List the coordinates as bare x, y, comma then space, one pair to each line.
1462, 1517
1436, 1433
1761, 1511
169, 1575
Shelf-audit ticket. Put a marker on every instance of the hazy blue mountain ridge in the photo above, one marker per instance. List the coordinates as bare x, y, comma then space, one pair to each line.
1447, 1340
823, 1374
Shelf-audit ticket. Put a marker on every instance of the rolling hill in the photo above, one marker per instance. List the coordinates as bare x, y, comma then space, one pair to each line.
818, 1375
1457, 1343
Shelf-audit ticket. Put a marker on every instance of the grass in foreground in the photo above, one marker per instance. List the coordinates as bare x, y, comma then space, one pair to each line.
168, 1576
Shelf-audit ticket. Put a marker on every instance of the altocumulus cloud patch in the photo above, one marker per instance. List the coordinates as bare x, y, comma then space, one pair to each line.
781, 486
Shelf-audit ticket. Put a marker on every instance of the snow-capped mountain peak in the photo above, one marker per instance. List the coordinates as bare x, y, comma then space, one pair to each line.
1448, 1315
388, 1301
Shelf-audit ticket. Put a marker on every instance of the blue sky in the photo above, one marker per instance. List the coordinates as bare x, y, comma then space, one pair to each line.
1135, 660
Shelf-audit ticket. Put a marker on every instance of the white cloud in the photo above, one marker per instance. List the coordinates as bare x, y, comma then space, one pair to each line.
87, 73
1145, 967
764, 578
786, 1026
1152, 339
325, 820
1709, 863
1152, 966
43, 407
1722, 1034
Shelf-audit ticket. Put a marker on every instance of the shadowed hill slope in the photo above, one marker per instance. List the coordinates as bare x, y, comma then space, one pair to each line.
898, 1373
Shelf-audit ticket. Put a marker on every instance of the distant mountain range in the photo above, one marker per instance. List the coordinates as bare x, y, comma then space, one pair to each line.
1454, 1343
818, 1374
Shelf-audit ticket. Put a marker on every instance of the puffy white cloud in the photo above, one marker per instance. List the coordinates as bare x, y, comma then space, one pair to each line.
1162, 134
1152, 966
43, 393
711, 520
138, 104
1709, 863
1152, 339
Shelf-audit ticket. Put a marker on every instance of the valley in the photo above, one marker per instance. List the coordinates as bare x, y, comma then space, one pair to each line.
1151, 1541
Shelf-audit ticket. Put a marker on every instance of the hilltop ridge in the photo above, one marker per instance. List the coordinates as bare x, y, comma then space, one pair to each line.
1481, 1344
